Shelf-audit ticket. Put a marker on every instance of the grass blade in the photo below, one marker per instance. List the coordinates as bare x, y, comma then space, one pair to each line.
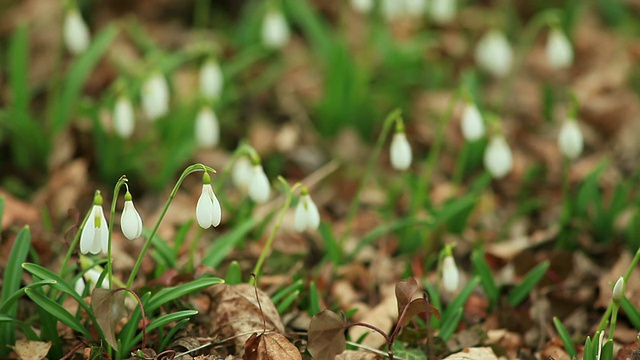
460, 300
224, 244
522, 290
26, 329
58, 283
486, 276
171, 293
166, 319
18, 294
450, 325
57, 311
632, 313
565, 337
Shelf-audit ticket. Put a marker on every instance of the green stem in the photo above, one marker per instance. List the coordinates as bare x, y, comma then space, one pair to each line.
267, 246
112, 216
74, 244
461, 164
614, 317
387, 125
191, 169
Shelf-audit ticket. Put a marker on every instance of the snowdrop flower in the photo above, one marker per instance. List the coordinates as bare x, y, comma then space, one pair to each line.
393, 9
130, 221
362, 6
259, 188
450, 274
472, 124
208, 210
306, 215
207, 128
559, 51
75, 32
79, 286
242, 172
275, 31
493, 53
415, 8
155, 96
95, 234
211, 80
92, 276
442, 11
570, 139
400, 151
618, 290
497, 157
123, 117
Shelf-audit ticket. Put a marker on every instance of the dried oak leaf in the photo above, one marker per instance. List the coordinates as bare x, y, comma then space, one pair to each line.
271, 346
108, 306
406, 292
31, 350
326, 335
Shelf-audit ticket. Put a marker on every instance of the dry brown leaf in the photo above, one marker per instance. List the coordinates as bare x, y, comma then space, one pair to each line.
271, 346
17, 212
326, 335
108, 305
632, 288
405, 292
383, 316
475, 353
31, 350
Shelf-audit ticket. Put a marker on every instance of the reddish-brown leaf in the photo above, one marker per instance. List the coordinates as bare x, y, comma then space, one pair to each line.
405, 291
326, 335
271, 346
108, 306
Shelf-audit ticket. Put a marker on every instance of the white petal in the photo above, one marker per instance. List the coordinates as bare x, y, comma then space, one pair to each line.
123, 117
207, 128
103, 232
76, 32
493, 53
450, 274
559, 51
275, 31
497, 157
442, 11
92, 276
211, 80
313, 215
472, 125
259, 188
570, 139
362, 6
79, 286
216, 215
155, 96
130, 222
204, 209
87, 234
300, 217
400, 151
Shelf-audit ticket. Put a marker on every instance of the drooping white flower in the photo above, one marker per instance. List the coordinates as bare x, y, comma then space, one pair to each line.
242, 172
497, 157
306, 215
211, 80
130, 221
493, 53
92, 276
618, 290
207, 128
450, 274
472, 124
79, 286
275, 30
400, 151
208, 209
259, 188
123, 117
570, 139
559, 50
442, 11
75, 32
362, 6
95, 233
155, 96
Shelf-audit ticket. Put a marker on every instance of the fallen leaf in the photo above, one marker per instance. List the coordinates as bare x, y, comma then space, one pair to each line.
475, 353
326, 335
108, 306
357, 355
31, 350
271, 346
405, 292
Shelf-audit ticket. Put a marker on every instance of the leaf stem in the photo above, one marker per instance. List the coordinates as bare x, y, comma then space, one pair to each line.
112, 216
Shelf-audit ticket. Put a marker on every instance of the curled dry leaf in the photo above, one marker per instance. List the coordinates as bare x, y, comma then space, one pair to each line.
270, 346
406, 295
108, 305
31, 350
326, 335
405, 292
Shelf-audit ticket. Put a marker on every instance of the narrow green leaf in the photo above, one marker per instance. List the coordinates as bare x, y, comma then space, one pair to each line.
58, 283
314, 299
225, 243
522, 290
284, 304
280, 294
171, 333
588, 350
449, 326
4, 308
565, 337
486, 276
160, 245
234, 274
166, 319
460, 300
26, 329
57, 311
334, 250
171, 293
607, 350
632, 313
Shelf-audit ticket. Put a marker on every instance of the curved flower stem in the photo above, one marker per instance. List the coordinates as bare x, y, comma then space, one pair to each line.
191, 169
112, 216
73, 246
387, 125
243, 149
267, 246
379, 331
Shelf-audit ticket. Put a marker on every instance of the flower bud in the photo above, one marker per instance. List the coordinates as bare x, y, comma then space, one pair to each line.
450, 274
497, 157
559, 51
207, 128
259, 188
211, 80
618, 290
208, 209
306, 215
493, 53
400, 151
123, 117
75, 32
242, 172
155, 96
275, 31
472, 124
570, 139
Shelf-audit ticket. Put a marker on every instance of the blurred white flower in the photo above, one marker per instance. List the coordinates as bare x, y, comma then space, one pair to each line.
559, 50
211, 80
130, 221
207, 128
618, 290
275, 30
123, 117
362, 6
259, 188
493, 53
497, 157
570, 139
400, 151
242, 172
79, 286
442, 11
306, 215
155, 96
415, 8
472, 124
450, 274
75, 32
208, 209
95, 233
393, 9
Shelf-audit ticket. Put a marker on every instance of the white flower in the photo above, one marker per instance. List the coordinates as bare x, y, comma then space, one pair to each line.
393, 9
559, 51
497, 157
95, 234
472, 124
362, 6
92, 276
259, 188
306, 215
618, 290
211, 80
79, 286
275, 31
570, 139
123, 117
493, 53
242, 172
450, 274
400, 151
75, 32
130, 221
207, 128
208, 210
155, 96
415, 8
442, 11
